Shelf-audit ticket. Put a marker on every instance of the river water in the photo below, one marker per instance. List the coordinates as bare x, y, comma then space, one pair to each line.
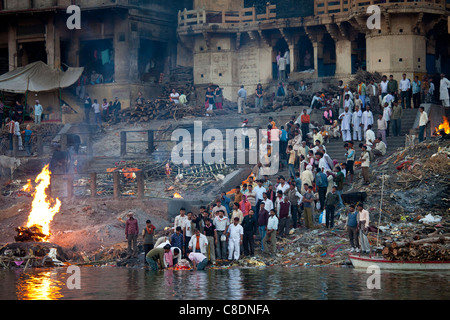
273, 283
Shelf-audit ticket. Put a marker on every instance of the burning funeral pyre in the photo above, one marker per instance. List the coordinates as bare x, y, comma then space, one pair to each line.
43, 210
443, 129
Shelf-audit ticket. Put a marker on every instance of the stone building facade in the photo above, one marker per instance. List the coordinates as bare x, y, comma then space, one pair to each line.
130, 42
234, 42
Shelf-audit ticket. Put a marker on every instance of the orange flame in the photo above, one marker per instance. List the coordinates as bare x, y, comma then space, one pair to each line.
43, 209
129, 173
176, 195
28, 187
444, 126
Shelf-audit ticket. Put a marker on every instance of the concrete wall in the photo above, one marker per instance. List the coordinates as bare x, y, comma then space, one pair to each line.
229, 66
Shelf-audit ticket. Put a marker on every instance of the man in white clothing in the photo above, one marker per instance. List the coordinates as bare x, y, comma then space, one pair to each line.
346, 119
259, 190
443, 91
283, 186
37, 112
423, 121
174, 96
198, 243
235, 237
370, 137
271, 233
268, 204
405, 85
383, 87
367, 119
282, 68
388, 99
356, 124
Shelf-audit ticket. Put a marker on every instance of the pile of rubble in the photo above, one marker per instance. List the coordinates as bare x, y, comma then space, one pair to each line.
415, 217
32, 255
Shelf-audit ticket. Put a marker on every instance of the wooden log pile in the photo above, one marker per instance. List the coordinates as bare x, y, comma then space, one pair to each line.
427, 249
365, 77
159, 109
25, 234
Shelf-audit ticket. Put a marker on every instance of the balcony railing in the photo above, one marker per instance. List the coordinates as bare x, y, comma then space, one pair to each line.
243, 16
322, 7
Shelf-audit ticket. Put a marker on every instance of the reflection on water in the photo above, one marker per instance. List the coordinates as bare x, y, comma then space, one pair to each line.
274, 283
39, 286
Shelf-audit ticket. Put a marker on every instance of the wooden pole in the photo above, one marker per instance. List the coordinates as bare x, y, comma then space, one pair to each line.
116, 181
151, 144
123, 143
93, 182
140, 184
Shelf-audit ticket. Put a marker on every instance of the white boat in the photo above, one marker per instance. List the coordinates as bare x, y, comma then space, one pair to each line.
364, 262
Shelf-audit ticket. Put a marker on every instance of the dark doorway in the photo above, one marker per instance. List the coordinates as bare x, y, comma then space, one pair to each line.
152, 58
327, 65
306, 54
359, 54
30, 52
4, 60
98, 56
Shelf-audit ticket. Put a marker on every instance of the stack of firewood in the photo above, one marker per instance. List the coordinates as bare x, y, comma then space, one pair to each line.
160, 109
427, 249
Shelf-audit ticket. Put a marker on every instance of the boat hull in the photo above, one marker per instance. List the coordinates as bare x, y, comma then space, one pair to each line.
365, 262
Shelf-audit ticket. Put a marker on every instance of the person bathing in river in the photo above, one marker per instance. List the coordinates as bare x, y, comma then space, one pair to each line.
155, 258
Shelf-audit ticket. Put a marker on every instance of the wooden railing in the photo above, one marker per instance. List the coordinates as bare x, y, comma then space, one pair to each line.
343, 6
245, 15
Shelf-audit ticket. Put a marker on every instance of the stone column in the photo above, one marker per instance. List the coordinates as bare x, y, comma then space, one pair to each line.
294, 52
12, 47
318, 54
343, 57
121, 50
74, 52
50, 42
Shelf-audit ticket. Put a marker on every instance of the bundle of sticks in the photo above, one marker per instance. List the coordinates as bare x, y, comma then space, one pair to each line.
427, 249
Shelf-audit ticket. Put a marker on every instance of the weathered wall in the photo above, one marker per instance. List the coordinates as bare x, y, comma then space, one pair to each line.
219, 5
228, 66
396, 50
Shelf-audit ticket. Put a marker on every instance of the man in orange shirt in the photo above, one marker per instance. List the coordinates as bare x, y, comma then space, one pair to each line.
245, 205
305, 120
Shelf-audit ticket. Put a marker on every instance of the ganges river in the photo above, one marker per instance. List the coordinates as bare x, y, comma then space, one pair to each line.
273, 283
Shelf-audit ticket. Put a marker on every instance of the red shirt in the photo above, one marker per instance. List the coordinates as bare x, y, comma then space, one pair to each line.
131, 226
305, 118
245, 207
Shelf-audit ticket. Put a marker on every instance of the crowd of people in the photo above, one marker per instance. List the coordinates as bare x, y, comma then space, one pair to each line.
260, 212
14, 118
106, 111
264, 211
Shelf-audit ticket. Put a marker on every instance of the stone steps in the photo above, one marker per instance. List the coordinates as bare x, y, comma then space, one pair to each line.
335, 148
